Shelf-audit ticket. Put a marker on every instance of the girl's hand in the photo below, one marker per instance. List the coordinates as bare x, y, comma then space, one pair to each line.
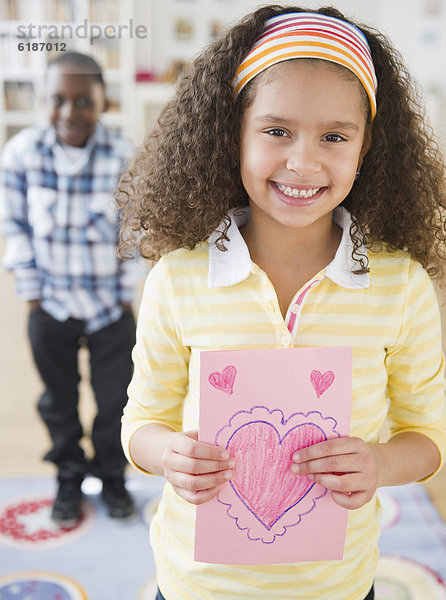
346, 466
195, 470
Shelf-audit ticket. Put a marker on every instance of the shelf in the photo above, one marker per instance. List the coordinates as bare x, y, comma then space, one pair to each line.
19, 76
28, 67
19, 118
154, 92
150, 98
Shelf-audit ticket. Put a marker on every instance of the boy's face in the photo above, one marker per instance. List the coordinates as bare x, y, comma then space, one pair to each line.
76, 101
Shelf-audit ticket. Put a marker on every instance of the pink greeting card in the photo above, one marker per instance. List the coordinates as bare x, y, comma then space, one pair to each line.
263, 406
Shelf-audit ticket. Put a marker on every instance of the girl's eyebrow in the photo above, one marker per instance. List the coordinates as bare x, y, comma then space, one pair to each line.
271, 118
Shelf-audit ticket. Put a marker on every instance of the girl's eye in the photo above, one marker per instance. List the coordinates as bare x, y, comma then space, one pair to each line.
334, 137
277, 132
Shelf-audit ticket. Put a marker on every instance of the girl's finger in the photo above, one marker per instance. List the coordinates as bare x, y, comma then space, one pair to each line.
347, 445
188, 445
343, 484
197, 466
351, 501
337, 463
196, 483
199, 497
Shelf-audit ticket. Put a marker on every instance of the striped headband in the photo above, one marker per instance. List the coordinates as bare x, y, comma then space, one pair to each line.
310, 35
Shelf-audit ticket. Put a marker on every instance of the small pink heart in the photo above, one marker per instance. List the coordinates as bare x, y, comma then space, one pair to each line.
224, 381
320, 382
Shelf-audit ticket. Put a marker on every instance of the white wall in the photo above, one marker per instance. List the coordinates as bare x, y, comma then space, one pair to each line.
416, 27
202, 12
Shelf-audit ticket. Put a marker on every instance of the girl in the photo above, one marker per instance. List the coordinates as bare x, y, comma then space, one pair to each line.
296, 199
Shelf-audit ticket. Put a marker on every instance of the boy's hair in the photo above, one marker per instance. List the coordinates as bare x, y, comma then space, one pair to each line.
182, 183
85, 64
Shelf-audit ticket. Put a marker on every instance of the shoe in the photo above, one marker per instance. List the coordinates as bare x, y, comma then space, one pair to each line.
116, 498
66, 509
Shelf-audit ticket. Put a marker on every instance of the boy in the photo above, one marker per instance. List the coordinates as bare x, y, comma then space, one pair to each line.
61, 228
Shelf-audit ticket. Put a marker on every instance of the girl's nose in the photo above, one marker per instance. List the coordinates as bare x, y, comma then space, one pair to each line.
303, 159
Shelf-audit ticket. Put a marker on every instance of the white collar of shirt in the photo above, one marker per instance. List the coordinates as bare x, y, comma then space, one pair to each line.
64, 163
235, 265
69, 160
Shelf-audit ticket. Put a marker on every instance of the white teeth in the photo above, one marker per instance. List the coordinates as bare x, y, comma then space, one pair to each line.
293, 192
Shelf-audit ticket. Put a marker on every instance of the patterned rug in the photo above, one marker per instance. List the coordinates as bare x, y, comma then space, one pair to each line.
412, 565
104, 559
97, 559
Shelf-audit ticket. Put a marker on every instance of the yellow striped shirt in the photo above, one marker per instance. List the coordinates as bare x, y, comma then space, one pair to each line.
206, 299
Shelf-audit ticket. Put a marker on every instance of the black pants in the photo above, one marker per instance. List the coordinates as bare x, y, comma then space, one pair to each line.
370, 595
55, 348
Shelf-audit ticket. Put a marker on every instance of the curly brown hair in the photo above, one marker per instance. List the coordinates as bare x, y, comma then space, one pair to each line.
181, 184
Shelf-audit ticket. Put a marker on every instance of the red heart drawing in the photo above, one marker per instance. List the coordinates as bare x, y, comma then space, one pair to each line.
224, 381
320, 382
262, 476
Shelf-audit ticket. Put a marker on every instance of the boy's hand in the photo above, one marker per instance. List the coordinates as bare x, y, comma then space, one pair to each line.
33, 304
126, 306
346, 466
195, 470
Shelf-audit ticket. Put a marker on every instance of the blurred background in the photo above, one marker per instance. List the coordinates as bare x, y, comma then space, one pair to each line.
142, 46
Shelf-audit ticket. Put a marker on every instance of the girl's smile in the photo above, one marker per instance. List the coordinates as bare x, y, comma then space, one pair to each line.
296, 195
303, 138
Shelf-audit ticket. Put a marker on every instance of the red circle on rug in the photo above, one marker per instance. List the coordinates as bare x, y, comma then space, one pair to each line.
391, 509
399, 578
28, 522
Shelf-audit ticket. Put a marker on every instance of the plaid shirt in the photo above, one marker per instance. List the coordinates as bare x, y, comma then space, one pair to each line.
61, 226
